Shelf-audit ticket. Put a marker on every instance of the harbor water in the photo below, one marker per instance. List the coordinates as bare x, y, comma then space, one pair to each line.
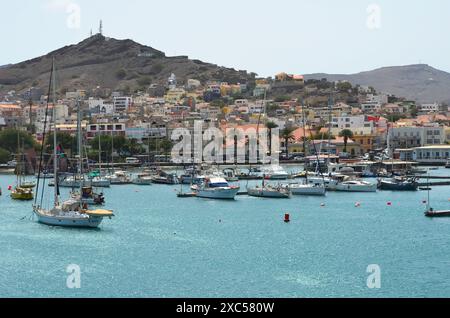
159, 245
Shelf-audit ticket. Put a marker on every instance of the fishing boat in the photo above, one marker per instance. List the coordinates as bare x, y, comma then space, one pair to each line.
71, 213
356, 186
216, 188
307, 189
398, 184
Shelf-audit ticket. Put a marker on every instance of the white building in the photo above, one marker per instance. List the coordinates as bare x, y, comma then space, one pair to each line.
431, 154
371, 107
410, 137
122, 104
359, 125
426, 108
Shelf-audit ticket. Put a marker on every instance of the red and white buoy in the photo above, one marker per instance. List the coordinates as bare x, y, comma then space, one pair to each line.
9, 188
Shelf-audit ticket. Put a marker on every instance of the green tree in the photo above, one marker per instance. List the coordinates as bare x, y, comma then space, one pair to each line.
270, 125
9, 142
347, 134
287, 134
5, 155
67, 142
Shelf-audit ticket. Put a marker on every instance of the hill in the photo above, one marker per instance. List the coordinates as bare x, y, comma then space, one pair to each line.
113, 64
419, 82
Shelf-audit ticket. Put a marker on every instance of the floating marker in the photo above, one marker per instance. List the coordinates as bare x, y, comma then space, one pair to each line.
389, 203
357, 204
322, 204
287, 218
9, 188
424, 202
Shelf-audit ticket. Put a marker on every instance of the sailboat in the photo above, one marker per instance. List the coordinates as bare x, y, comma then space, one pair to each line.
85, 194
71, 213
23, 191
307, 188
267, 190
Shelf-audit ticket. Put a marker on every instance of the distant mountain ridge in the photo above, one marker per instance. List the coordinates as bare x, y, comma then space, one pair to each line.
113, 64
419, 82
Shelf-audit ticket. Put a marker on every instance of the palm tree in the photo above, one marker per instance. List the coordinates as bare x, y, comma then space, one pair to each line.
270, 125
287, 134
347, 134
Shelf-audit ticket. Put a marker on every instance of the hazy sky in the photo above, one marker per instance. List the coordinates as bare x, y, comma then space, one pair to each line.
264, 36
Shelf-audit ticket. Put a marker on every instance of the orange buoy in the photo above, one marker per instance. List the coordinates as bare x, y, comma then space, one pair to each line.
287, 218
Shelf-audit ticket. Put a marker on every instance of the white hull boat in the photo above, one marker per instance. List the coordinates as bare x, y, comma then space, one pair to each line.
216, 188
269, 192
227, 193
307, 189
356, 186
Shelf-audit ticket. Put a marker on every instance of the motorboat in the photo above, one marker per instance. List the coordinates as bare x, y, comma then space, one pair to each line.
119, 177
356, 186
230, 175
274, 172
165, 178
331, 181
216, 188
143, 179
398, 184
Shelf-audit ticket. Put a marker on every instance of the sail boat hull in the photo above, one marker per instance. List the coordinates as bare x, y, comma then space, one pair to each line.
77, 220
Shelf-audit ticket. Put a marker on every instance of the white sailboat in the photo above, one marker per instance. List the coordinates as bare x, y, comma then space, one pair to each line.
356, 186
70, 213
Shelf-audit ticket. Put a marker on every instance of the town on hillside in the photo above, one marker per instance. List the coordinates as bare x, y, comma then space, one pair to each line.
313, 116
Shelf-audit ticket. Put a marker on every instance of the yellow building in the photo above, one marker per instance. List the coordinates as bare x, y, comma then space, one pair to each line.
366, 142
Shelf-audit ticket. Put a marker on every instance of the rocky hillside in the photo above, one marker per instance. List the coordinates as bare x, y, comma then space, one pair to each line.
113, 64
420, 82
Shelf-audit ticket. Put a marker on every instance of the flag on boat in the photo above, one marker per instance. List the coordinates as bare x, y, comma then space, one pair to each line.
60, 151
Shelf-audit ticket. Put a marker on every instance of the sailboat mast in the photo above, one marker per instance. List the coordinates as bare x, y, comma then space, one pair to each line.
330, 118
55, 159
80, 146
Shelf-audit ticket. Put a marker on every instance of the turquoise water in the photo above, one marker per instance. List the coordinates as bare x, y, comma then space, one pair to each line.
161, 246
